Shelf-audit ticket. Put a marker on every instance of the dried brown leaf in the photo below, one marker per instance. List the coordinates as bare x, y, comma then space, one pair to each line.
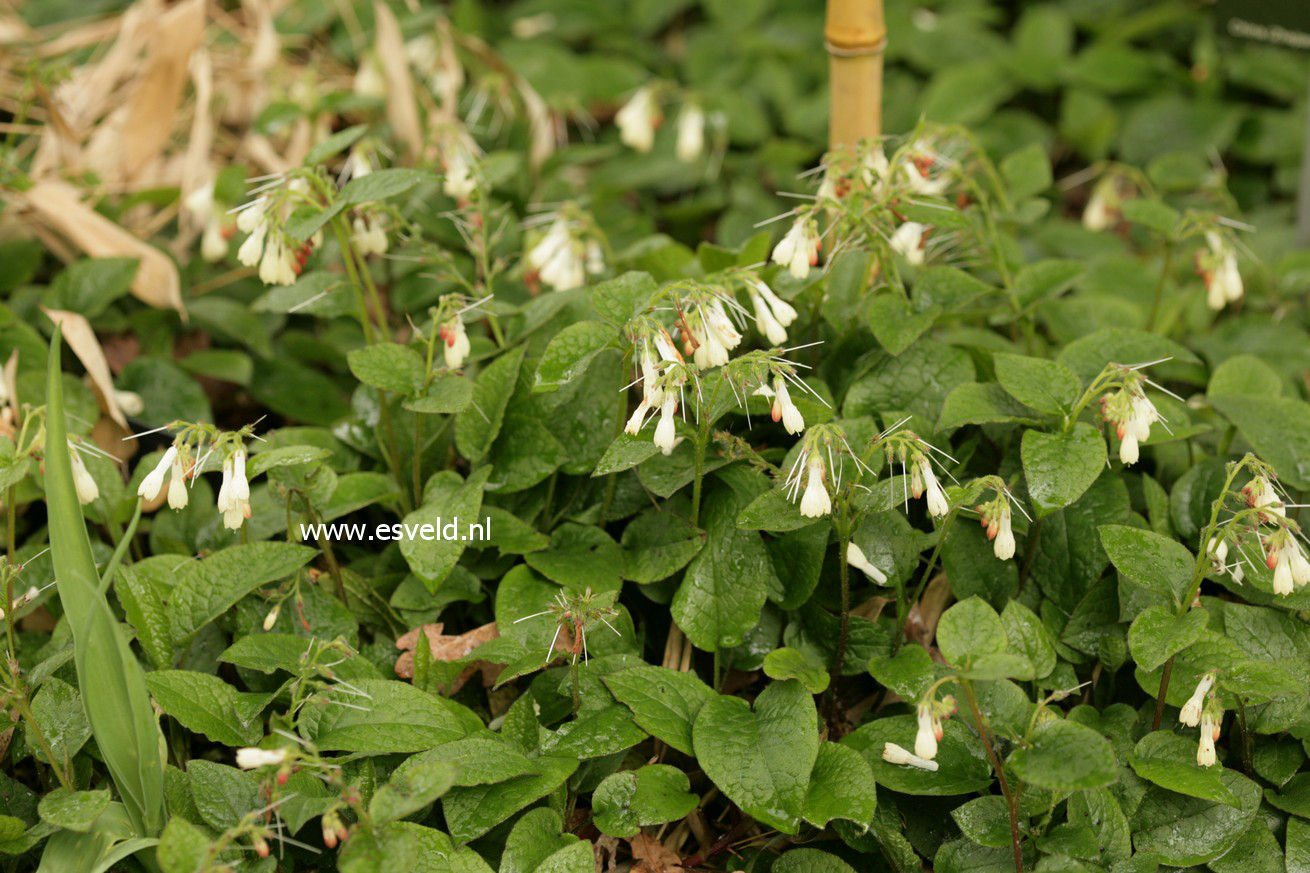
448, 648
402, 111
652, 856
152, 109
81, 338
58, 204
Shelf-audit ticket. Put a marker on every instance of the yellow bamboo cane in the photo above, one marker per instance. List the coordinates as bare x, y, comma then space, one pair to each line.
855, 34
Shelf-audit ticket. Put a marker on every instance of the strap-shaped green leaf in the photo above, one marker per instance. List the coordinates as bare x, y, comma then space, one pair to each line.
111, 680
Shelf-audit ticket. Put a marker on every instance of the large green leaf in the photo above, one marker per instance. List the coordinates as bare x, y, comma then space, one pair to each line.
762, 758
1059, 467
1065, 756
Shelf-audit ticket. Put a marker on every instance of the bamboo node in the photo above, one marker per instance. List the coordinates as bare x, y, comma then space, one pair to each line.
856, 51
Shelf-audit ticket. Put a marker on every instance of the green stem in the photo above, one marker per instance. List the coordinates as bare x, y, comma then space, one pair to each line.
1159, 286
29, 720
575, 674
365, 321
843, 634
418, 462
1194, 586
107, 578
903, 607
11, 518
702, 439
1011, 800
611, 481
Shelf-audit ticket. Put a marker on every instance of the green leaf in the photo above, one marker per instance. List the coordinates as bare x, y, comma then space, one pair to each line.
970, 630
222, 794
1098, 809
1184, 831
1169, 760
594, 733
1065, 756
89, 286
895, 325
841, 787
1294, 797
761, 759
772, 511
388, 367
477, 760
207, 588
474, 810
1152, 561
622, 297
1044, 385
580, 557
1298, 846
799, 664
1244, 375
446, 395
534, 838
393, 718
985, 820
1045, 279
432, 560
981, 403
183, 847
632, 799
569, 352
1027, 172
961, 759
626, 452
909, 672
1028, 637
411, 789
657, 544
1152, 213
1278, 428
1157, 634
1059, 467
335, 144
73, 810
477, 427
1257, 851
205, 704
664, 702
726, 584
269, 652
916, 381
810, 861
116, 702
1088, 355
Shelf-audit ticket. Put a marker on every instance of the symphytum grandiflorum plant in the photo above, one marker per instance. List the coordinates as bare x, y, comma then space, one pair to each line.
848, 499
111, 680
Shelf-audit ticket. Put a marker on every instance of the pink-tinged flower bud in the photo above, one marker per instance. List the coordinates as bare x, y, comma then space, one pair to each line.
1205, 753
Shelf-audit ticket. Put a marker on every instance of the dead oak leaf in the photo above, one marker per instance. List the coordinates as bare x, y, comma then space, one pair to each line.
652, 856
449, 648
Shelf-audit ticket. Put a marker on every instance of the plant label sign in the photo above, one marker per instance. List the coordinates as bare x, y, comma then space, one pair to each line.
1283, 23
1277, 22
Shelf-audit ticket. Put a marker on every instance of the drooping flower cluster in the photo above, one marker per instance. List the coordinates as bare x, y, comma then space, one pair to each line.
663, 376
1203, 708
1104, 209
798, 250
820, 465
773, 315
185, 460
279, 257
449, 328
369, 232
568, 251
639, 118
459, 158
924, 481
708, 331
1217, 266
218, 227
995, 519
929, 714
1132, 414
1284, 555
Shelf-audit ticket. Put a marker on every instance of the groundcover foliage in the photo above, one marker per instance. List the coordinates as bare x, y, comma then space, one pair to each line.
936, 507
